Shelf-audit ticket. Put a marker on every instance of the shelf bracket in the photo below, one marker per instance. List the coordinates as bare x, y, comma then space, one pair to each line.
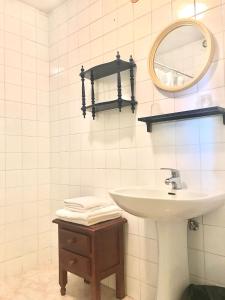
149, 126
223, 119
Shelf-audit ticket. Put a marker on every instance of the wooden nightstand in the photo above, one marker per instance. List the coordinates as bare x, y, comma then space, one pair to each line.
93, 253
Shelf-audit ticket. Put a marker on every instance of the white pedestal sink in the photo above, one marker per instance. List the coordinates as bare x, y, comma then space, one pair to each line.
171, 213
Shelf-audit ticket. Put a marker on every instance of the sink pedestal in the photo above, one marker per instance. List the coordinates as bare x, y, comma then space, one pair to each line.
173, 275
170, 211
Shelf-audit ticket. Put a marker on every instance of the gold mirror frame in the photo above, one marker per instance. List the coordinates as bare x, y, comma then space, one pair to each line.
210, 52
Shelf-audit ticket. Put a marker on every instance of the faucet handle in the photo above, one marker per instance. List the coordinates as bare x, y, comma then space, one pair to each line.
175, 172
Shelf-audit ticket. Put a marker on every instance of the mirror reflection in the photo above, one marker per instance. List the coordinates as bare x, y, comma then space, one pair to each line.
180, 56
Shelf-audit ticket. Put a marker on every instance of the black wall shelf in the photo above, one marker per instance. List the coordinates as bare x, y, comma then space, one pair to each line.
104, 70
107, 69
188, 114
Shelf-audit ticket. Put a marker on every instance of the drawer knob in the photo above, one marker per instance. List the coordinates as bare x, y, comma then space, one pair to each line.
72, 262
72, 241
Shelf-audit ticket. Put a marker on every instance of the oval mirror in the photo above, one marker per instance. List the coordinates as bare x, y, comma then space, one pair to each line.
181, 55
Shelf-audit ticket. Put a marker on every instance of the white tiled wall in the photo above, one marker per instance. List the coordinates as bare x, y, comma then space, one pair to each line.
90, 157
24, 138
93, 156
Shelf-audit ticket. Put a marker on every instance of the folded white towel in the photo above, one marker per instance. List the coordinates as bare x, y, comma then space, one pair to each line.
76, 209
90, 217
84, 203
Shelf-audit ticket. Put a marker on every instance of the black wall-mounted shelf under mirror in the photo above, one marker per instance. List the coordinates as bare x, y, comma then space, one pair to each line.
104, 70
188, 114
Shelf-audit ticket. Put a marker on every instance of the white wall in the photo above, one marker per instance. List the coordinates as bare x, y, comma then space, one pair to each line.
24, 138
94, 156
90, 157
115, 150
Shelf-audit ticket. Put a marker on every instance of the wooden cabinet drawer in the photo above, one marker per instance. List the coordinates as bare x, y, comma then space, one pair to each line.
74, 263
76, 242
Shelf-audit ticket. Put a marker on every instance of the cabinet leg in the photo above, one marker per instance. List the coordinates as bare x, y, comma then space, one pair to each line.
120, 285
95, 290
62, 281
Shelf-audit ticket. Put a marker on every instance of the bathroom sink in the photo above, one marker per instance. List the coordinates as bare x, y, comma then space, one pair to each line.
171, 212
157, 204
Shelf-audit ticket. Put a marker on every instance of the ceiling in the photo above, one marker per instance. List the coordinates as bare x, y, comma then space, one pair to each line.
44, 5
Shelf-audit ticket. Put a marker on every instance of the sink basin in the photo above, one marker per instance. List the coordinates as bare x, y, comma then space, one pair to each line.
157, 204
171, 213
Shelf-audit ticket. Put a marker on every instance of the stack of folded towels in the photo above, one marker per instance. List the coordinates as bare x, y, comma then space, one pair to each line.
87, 211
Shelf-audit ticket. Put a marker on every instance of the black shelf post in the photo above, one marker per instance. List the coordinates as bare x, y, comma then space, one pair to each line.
119, 87
92, 95
83, 92
133, 102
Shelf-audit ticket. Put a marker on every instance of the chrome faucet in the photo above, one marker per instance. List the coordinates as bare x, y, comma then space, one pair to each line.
174, 180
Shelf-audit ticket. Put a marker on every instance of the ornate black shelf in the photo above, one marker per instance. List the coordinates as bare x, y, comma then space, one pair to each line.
188, 114
104, 70
101, 106
107, 69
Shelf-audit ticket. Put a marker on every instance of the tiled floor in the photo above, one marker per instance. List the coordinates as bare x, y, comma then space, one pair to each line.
42, 284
